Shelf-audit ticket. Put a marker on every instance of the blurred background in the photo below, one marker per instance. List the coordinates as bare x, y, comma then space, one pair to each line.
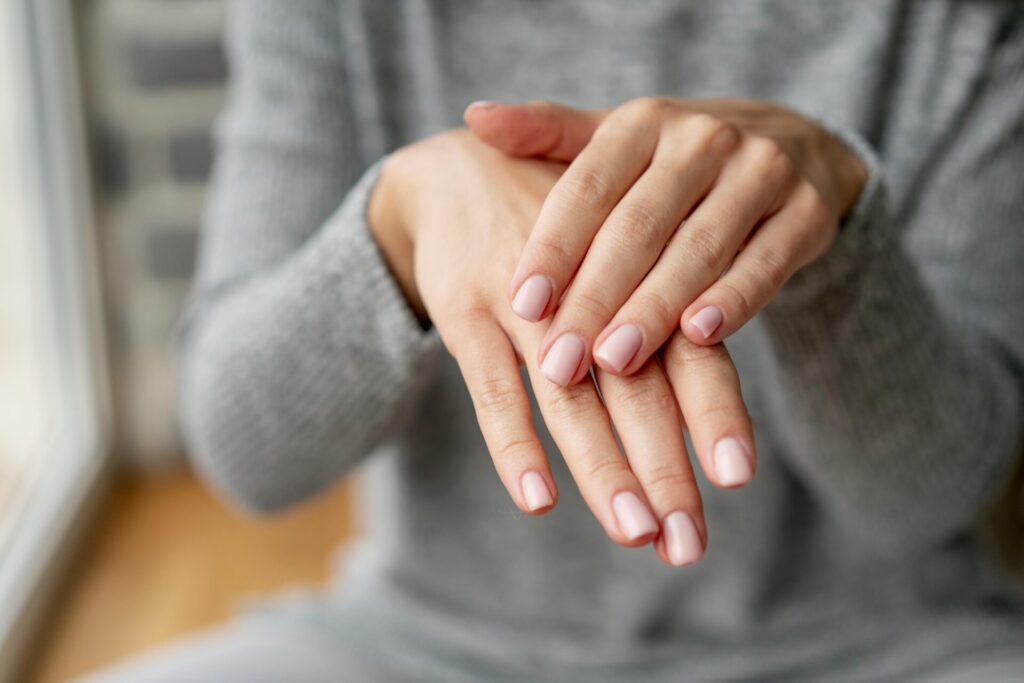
107, 543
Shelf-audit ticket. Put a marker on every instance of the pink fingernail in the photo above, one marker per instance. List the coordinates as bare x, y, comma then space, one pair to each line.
620, 346
479, 105
532, 298
535, 491
732, 463
635, 520
482, 104
682, 540
707, 320
563, 359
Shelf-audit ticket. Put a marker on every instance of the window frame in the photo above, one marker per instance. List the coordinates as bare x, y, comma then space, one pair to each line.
54, 162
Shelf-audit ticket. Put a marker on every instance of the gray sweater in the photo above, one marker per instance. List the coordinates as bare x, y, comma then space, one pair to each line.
886, 381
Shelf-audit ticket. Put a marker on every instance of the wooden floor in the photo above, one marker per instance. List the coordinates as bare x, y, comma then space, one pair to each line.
168, 558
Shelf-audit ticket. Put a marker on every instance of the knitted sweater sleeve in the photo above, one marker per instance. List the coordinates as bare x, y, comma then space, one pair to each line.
298, 351
896, 361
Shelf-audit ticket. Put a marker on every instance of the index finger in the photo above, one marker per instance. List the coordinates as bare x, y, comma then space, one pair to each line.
575, 209
489, 367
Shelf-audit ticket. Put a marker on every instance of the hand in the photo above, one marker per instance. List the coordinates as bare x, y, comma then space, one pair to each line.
672, 213
452, 216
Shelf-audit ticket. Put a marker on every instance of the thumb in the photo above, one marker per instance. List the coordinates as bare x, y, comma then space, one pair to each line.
535, 129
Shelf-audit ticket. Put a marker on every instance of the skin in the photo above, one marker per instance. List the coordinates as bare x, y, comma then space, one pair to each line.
669, 208
453, 253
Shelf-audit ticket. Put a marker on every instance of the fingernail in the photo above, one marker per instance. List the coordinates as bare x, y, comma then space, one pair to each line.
682, 540
563, 359
707, 320
635, 520
732, 464
620, 346
535, 491
532, 298
479, 105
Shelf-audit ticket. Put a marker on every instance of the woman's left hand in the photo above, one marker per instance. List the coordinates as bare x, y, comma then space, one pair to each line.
672, 212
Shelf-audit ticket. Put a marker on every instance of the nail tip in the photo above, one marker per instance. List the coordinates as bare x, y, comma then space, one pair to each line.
635, 520
607, 363
733, 464
562, 362
532, 298
707, 320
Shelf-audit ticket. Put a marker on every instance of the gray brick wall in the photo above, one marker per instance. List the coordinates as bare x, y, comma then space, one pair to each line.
154, 77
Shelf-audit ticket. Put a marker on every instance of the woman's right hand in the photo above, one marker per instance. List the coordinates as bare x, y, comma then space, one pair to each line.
452, 216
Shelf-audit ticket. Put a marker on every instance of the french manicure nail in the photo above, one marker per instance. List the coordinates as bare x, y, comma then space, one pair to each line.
707, 320
563, 359
535, 491
620, 346
532, 298
682, 540
732, 463
635, 520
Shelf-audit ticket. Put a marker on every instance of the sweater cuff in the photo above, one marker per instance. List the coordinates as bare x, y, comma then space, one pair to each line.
348, 232
861, 236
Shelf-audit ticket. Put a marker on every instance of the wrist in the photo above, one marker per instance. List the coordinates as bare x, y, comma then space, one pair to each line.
387, 223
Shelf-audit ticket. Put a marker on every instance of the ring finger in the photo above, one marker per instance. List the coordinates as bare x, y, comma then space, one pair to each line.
751, 187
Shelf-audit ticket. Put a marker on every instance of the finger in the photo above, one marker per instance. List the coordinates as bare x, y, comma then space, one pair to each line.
488, 365
576, 207
749, 188
787, 241
646, 418
707, 388
535, 129
685, 164
578, 422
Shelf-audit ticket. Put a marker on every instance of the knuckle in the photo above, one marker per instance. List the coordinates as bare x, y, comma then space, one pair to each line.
774, 265
497, 395
727, 137
812, 205
723, 412
606, 469
683, 355
588, 186
568, 403
703, 246
471, 311
646, 394
459, 324
591, 305
657, 307
769, 160
741, 301
638, 224
549, 247
512, 449
665, 480
646, 110
712, 131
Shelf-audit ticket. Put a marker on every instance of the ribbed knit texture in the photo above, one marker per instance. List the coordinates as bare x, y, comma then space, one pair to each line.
886, 380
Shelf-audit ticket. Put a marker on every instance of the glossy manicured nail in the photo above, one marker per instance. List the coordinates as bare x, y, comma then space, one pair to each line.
635, 520
563, 359
682, 540
535, 491
620, 347
707, 320
732, 463
532, 298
